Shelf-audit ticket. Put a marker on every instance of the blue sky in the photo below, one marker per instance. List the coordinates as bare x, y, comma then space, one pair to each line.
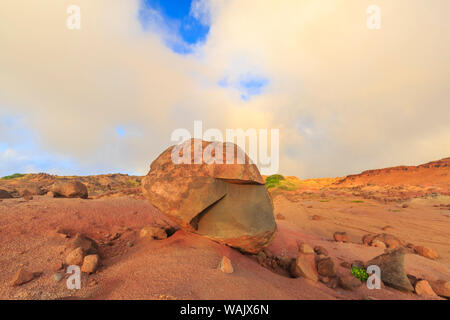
178, 19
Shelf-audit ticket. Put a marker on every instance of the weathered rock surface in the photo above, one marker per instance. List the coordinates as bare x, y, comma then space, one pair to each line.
304, 266
69, 189
5, 194
424, 289
341, 236
225, 265
153, 232
426, 252
392, 269
90, 263
22, 276
441, 287
326, 267
389, 240
75, 257
225, 202
88, 245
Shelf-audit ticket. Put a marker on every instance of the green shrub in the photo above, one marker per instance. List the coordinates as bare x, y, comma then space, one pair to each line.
273, 180
360, 273
13, 176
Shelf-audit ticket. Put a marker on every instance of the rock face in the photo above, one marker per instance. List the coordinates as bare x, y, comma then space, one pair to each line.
226, 202
5, 194
392, 269
69, 189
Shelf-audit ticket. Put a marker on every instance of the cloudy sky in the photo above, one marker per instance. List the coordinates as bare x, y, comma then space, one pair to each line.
106, 98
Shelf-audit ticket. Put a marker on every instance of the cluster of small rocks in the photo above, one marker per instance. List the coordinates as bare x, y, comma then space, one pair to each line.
84, 253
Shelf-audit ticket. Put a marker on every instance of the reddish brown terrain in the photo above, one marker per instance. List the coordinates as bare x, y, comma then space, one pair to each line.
411, 204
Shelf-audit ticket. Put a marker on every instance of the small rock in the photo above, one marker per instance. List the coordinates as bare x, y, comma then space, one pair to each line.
378, 244
426, 252
304, 266
441, 287
130, 244
424, 289
90, 263
341, 236
367, 239
152, 232
116, 236
57, 266
305, 248
5, 194
326, 267
280, 217
346, 265
358, 264
87, 244
405, 205
320, 250
28, 197
316, 217
349, 282
57, 277
225, 265
22, 276
75, 257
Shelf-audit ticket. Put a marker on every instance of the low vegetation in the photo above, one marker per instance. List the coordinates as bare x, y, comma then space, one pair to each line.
13, 176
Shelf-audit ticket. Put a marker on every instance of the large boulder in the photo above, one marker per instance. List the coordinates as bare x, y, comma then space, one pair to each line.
392, 269
226, 202
69, 189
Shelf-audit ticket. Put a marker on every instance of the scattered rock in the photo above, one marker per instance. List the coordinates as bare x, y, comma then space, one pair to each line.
305, 248
424, 289
57, 277
152, 232
225, 265
304, 266
227, 203
390, 241
22, 276
261, 257
441, 288
316, 217
90, 263
358, 264
75, 257
349, 282
346, 265
88, 245
378, 244
392, 269
130, 244
367, 239
280, 217
116, 236
386, 228
69, 189
341, 236
426, 252
5, 194
326, 267
320, 250
28, 197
